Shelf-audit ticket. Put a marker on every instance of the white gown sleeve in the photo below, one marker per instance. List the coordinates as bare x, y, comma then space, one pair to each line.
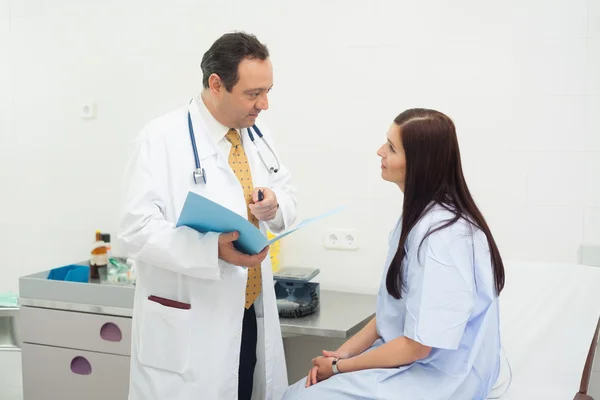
145, 235
440, 296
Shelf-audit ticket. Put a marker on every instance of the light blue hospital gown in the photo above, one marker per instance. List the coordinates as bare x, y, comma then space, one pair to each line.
449, 304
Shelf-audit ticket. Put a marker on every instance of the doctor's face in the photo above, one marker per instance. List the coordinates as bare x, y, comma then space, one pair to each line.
249, 96
393, 160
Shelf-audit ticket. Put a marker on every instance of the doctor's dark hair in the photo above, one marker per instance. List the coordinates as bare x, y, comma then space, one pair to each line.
224, 56
434, 175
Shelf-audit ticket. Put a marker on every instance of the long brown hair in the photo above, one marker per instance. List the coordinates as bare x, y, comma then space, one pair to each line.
434, 176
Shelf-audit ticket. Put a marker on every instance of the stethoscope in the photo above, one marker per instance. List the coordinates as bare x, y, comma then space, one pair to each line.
200, 175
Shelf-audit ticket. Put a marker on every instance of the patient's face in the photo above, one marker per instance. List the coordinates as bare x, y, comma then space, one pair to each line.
393, 161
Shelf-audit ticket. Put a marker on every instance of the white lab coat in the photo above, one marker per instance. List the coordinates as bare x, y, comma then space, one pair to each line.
194, 354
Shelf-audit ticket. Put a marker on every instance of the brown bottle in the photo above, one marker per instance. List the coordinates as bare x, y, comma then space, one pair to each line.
99, 257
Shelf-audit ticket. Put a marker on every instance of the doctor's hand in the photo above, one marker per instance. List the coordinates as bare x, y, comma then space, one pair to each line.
229, 253
265, 209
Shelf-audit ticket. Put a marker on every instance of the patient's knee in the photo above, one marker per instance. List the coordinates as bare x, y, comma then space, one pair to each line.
297, 391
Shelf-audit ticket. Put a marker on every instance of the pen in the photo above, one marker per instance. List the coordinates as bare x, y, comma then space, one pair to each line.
261, 196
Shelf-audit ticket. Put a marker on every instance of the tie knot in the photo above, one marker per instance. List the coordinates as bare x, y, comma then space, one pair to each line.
233, 136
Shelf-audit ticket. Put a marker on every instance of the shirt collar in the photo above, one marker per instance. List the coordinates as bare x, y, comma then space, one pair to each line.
216, 130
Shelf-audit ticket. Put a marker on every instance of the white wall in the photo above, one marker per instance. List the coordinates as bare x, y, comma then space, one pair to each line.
520, 78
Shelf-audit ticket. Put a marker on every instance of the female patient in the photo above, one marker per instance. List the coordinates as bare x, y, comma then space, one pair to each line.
435, 334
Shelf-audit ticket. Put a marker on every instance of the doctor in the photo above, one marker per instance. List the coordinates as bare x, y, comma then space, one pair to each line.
205, 321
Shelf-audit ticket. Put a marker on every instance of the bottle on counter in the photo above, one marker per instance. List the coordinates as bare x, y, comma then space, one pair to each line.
132, 272
99, 258
106, 240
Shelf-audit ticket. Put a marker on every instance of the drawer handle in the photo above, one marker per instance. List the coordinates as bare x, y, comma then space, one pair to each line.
81, 366
111, 332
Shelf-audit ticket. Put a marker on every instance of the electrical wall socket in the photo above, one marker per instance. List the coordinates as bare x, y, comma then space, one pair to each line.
341, 239
88, 111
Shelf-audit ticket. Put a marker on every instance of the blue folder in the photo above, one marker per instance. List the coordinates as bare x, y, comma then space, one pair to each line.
204, 215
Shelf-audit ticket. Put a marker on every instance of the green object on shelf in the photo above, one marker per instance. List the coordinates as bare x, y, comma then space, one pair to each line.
8, 300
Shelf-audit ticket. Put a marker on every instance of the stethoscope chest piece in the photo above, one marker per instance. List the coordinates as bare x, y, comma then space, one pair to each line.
199, 175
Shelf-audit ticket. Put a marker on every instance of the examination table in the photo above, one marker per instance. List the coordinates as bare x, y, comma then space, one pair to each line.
549, 326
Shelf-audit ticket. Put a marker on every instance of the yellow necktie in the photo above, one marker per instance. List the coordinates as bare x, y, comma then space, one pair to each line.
239, 164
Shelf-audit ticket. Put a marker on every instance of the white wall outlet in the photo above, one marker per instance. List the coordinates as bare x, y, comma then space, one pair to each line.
341, 239
349, 240
331, 240
88, 111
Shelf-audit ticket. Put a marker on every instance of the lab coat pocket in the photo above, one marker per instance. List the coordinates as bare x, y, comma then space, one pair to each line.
164, 339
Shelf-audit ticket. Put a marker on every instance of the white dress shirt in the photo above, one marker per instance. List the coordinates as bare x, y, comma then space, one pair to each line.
217, 132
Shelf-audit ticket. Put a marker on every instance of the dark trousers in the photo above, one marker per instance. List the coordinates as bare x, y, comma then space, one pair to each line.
247, 354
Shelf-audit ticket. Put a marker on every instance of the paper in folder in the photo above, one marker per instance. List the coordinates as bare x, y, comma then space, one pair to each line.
204, 215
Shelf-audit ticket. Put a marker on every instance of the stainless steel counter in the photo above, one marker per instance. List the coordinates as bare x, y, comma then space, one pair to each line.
340, 314
66, 326
10, 336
